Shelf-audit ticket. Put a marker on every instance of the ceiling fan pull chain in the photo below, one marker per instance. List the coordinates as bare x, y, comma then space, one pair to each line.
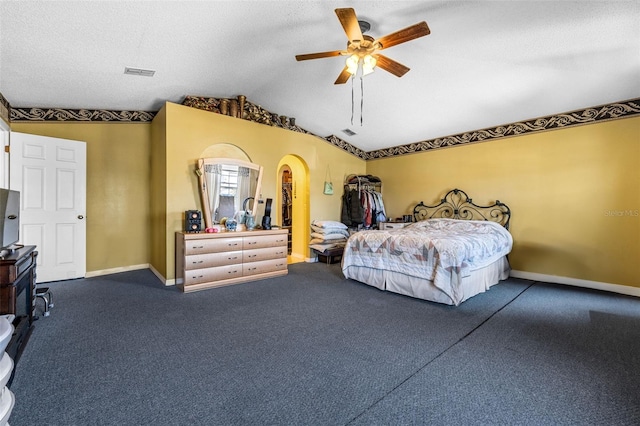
352, 103
361, 98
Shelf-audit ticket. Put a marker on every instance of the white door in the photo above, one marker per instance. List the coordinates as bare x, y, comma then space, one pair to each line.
50, 174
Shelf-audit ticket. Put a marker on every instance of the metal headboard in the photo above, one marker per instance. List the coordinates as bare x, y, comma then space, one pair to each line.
457, 205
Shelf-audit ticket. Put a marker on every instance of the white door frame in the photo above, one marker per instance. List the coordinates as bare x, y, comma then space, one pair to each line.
5, 131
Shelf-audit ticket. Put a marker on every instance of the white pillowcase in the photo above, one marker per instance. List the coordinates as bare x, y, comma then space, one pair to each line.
328, 224
319, 230
325, 237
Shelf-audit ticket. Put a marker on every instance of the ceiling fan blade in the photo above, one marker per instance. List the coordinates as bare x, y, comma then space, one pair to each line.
343, 77
318, 55
387, 64
349, 21
407, 34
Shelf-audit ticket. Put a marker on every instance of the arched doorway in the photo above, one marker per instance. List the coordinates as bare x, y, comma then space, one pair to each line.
293, 205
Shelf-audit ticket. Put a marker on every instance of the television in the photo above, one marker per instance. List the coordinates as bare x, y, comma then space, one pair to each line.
9, 220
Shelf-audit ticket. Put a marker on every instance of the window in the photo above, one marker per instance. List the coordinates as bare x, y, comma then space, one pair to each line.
229, 180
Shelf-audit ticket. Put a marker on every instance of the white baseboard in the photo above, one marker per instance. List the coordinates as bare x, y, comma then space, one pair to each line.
596, 285
115, 270
161, 277
296, 258
130, 268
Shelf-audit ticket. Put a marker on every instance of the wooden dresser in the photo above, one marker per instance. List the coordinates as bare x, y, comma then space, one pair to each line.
17, 295
206, 260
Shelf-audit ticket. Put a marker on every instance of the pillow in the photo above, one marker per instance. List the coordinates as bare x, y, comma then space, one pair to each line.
328, 224
333, 236
319, 230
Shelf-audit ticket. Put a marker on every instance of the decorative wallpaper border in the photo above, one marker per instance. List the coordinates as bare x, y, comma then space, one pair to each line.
5, 108
241, 108
60, 114
336, 141
607, 112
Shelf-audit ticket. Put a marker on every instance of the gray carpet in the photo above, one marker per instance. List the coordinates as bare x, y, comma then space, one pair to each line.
314, 348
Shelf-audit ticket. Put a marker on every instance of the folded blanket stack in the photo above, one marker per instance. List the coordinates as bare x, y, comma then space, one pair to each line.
328, 234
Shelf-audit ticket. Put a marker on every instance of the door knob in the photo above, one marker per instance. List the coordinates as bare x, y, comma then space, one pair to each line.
80, 216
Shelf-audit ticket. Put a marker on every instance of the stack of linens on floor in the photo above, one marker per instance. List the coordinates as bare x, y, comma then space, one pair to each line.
328, 234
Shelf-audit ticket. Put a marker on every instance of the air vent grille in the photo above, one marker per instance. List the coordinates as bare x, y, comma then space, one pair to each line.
349, 132
139, 71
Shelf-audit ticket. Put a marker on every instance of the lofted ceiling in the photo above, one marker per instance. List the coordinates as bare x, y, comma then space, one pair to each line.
485, 63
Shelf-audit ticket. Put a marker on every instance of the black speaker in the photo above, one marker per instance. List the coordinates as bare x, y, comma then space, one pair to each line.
266, 219
192, 221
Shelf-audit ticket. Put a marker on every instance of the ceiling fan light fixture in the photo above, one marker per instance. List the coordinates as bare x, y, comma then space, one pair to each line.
352, 63
368, 64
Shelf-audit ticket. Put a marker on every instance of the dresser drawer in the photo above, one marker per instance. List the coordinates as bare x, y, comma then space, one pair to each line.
214, 245
263, 241
200, 261
264, 266
197, 276
264, 254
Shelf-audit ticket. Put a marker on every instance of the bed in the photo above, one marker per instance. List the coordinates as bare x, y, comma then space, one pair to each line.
453, 251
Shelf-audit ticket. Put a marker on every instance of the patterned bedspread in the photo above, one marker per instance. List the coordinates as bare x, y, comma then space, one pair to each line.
440, 250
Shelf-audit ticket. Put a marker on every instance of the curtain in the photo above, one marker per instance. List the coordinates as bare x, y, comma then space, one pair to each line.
244, 186
213, 173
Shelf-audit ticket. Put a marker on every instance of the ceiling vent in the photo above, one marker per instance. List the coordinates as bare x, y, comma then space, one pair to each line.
349, 132
139, 71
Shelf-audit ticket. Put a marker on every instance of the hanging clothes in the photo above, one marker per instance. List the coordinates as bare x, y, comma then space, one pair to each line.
362, 203
373, 207
381, 213
352, 211
287, 202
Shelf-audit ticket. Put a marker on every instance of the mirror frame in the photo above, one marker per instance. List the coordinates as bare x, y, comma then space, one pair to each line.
204, 192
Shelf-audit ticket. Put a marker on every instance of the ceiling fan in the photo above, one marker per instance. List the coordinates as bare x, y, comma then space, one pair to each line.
362, 50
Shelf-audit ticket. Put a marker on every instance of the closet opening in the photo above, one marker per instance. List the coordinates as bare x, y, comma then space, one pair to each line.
287, 204
292, 208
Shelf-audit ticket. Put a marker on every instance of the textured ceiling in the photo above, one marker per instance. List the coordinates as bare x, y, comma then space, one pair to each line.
485, 63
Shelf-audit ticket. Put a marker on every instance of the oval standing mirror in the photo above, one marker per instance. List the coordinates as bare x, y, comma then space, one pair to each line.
229, 188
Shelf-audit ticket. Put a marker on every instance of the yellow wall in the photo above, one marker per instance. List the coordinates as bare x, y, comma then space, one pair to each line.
190, 131
573, 192
158, 193
574, 195
117, 188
